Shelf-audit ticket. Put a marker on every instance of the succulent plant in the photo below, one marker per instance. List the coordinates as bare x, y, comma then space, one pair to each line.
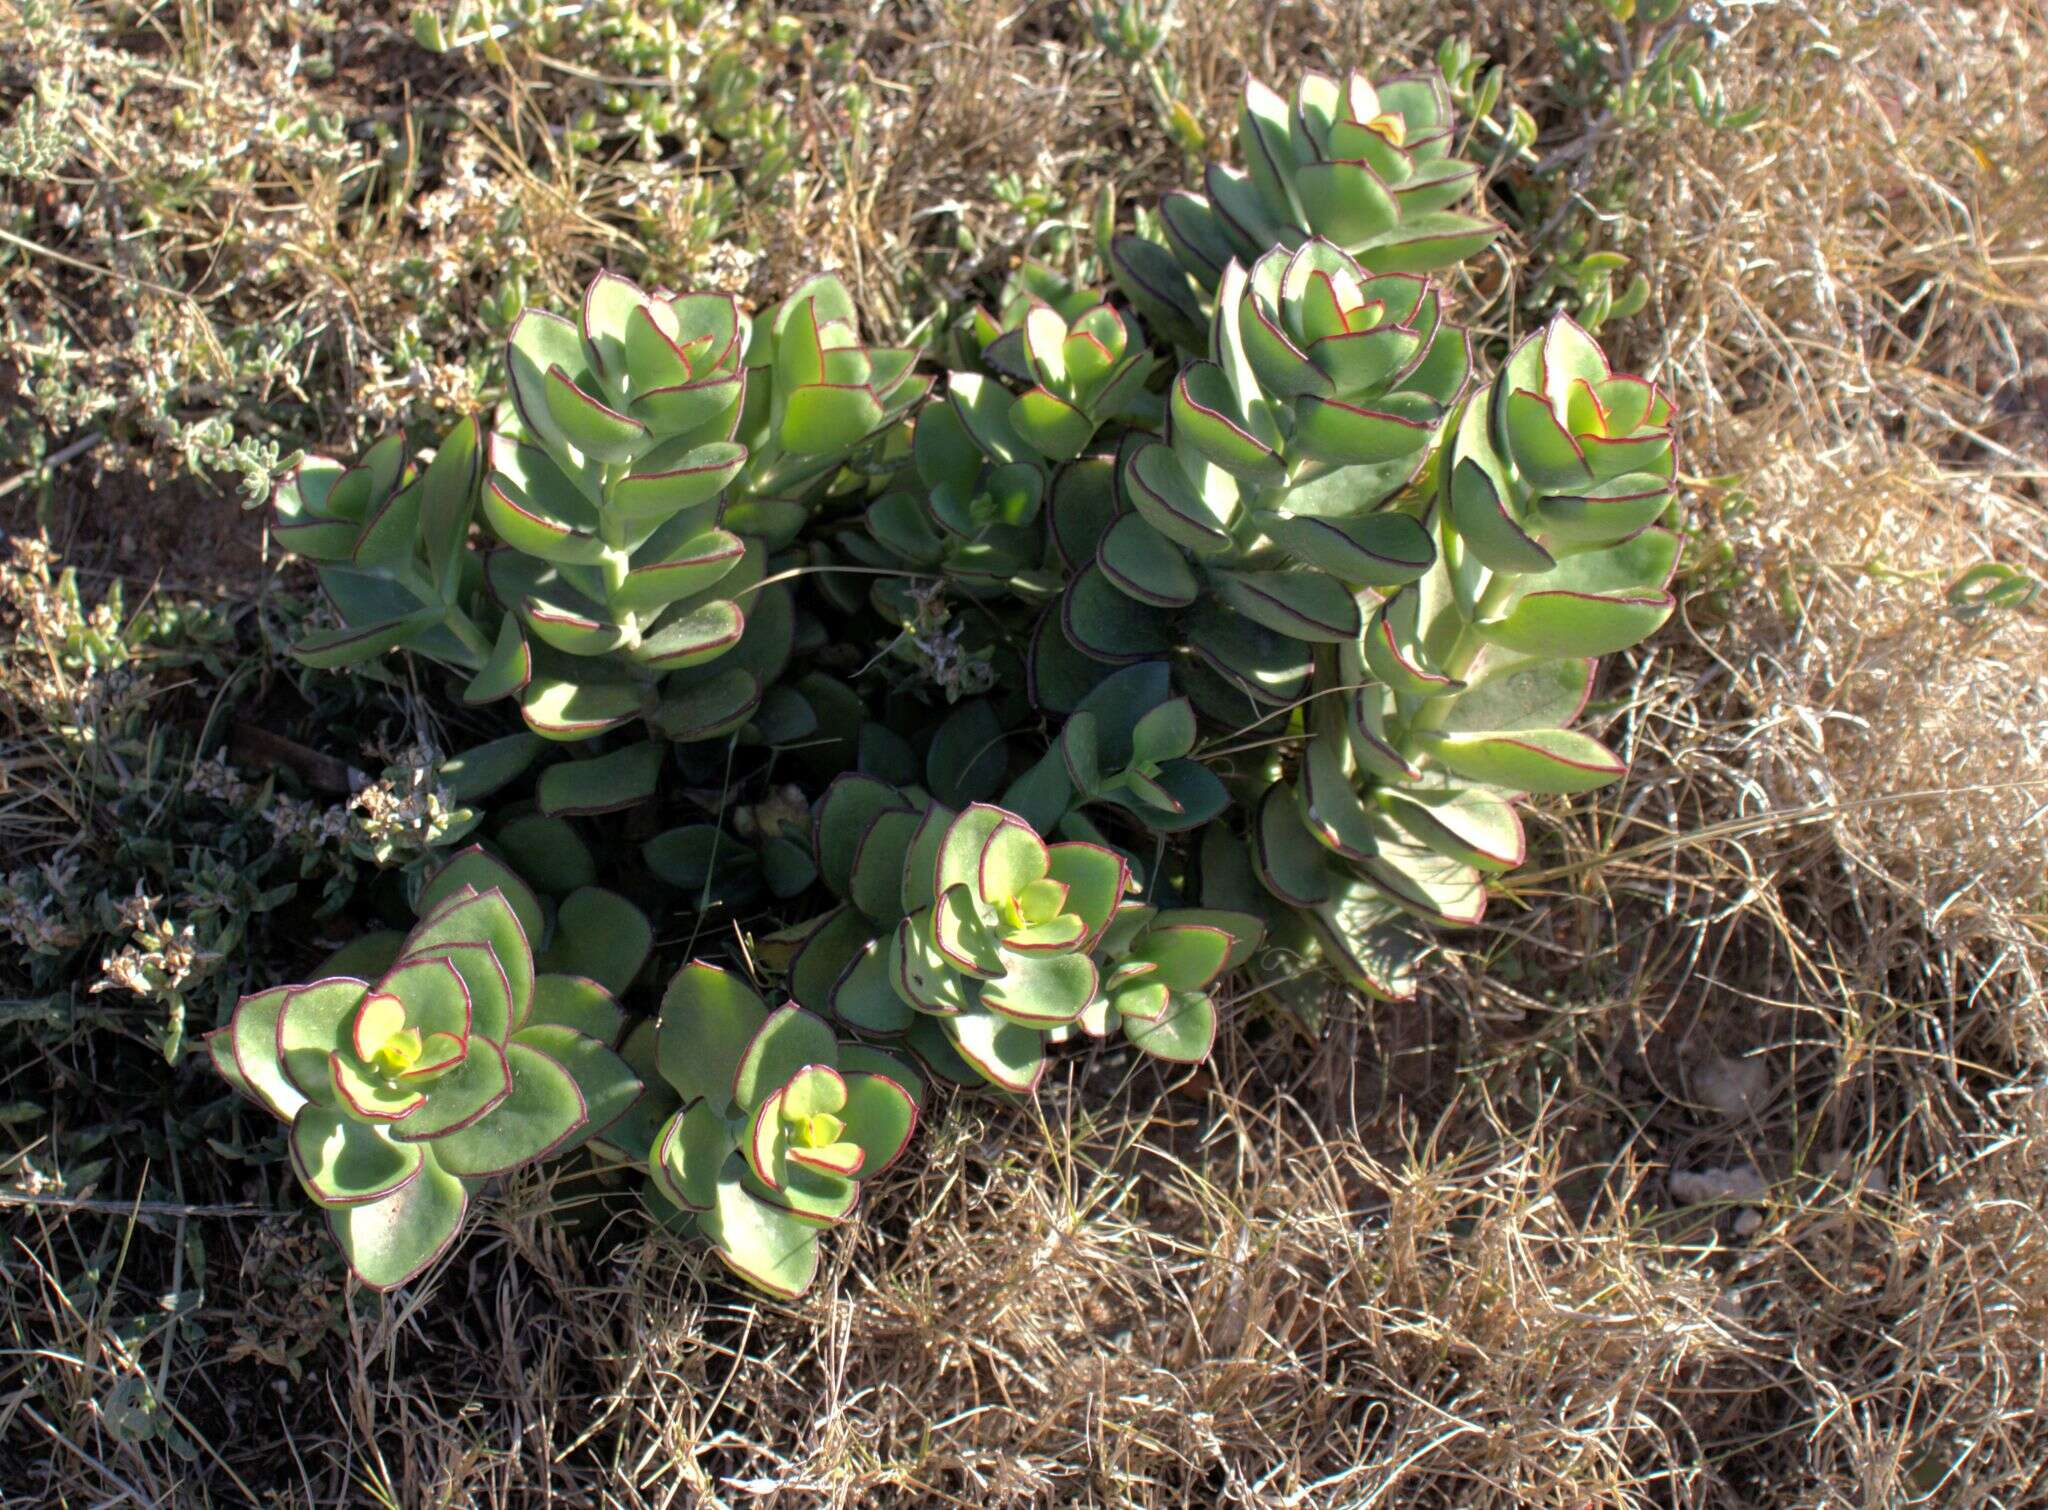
1312, 529
1456, 700
1126, 745
391, 540
775, 1126
763, 849
980, 944
1366, 167
650, 458
1030, 284
1081, 374
1252, 527
954, 511
610, 482
455, 1063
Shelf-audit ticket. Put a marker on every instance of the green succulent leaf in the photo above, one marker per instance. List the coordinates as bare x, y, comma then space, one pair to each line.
482, 936
920, 974
483, 769
1050, 425
593, 427
1165, 732
880, 1115
1188, 508
393, 1241
1041, 990
1286, 855
1108, 624
1207, 418
544, 1110
507, 669
576, 1001
479, 1083
968, 755
607, 784
1546, 623
564, 710
688, 1155
312, 1022
1146, 564
1187, 956
771, 1249
1096, 878
1243, 929
1330, 430
865, 996
1382, 551
476, 869
824, 417
1183, 1034
353, 644
1005, 1054
541, 342
650, 497
961, 936
1513, 694
826, 949
846, 812
1471, 825
709, 1020
787, 1041
600, 934
345, 1162
1527, 760
251, 1043
1303, 604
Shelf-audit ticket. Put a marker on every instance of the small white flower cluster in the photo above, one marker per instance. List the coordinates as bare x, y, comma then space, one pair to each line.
404, 812
162, 957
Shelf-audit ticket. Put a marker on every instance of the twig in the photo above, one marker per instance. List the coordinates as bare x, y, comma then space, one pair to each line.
251, 745
75, 449
124, 1208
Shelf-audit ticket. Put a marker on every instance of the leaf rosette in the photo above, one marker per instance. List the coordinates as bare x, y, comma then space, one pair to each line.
453, 1063
1368, 168
980, 945
776, 1124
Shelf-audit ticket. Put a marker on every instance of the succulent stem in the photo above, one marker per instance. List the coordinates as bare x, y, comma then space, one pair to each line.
1463, 652
473, 639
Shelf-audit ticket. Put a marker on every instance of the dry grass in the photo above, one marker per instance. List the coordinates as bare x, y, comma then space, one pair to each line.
1714, 1173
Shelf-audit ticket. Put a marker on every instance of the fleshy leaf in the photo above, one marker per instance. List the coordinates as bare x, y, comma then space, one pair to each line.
769, 1248
459, 1097
600, 934
880, 1115
1041, 991
1006, 1055
392, 1241
1528, 760
709, 1018
604, 1080
1183, 1034
543, 1112
688, 1154
788, 1040
1188, 956
344, 1162
251, 1044
312, 1023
